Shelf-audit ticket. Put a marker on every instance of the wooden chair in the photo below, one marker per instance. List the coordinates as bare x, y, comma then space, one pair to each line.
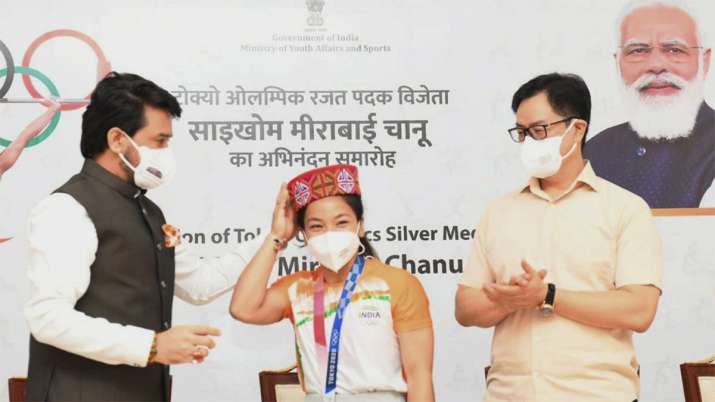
18, 388
694, 375
280, 385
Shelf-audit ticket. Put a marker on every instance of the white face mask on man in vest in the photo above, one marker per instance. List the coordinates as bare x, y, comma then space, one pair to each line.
156, 165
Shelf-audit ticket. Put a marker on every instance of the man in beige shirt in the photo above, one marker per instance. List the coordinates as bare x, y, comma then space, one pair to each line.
565, 268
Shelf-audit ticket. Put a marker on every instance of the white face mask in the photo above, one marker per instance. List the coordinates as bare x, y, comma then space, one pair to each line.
335, 248
542, 158
156, 165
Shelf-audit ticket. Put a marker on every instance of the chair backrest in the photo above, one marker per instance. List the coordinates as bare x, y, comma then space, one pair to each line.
695, 374
289, 393
280, 386
17, 387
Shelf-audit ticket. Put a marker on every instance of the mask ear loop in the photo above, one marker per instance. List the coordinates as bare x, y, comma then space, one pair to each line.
124, 158
573, 147
361, 248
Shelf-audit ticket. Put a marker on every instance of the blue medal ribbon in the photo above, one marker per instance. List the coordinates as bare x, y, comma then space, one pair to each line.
331, 377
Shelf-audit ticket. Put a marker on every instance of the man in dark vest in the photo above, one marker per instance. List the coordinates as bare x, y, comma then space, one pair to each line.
104, 265
665, 153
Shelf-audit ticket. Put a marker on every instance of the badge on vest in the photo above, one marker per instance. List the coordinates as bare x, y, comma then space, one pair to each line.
172, 236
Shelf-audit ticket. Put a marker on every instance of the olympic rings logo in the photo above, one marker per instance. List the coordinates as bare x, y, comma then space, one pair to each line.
103, 68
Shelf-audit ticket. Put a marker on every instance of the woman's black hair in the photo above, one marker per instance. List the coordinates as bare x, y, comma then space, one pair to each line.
355, 203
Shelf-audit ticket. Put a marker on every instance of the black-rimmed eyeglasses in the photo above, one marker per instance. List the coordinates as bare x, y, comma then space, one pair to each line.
537, 131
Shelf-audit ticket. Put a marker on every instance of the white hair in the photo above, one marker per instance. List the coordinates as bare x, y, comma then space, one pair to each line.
664, 117
636, 5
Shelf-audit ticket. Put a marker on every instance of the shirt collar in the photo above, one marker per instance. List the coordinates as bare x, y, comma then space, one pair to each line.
587, 177
94, 170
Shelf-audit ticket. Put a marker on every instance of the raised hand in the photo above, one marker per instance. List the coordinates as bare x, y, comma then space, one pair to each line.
283, 226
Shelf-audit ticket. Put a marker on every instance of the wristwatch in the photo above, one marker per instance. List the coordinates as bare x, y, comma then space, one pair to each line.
547, 306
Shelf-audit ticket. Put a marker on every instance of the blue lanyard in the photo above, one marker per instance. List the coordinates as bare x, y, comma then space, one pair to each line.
331, 377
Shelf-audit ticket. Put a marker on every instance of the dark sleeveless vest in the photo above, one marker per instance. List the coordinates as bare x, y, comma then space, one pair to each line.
132, 283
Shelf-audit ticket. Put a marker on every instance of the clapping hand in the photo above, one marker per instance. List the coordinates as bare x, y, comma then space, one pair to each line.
524, 291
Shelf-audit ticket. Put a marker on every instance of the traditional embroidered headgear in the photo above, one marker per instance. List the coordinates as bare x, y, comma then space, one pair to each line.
323, 182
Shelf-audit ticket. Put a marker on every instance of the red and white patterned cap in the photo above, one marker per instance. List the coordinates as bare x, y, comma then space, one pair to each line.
323, 182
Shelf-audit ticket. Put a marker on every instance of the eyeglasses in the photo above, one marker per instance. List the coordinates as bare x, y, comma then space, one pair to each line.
537, 131
676, 53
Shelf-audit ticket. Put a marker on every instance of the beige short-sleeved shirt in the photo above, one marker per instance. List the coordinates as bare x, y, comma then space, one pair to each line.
595, 237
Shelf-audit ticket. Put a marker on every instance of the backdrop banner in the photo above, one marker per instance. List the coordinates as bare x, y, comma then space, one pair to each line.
416, 94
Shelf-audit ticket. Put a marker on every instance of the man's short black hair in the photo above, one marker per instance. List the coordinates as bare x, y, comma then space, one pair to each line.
568, 95
118, 101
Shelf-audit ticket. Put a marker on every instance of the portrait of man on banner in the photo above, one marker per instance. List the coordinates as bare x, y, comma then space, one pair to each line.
665, 152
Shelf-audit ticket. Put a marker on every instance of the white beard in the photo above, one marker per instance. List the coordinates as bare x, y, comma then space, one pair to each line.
664, 117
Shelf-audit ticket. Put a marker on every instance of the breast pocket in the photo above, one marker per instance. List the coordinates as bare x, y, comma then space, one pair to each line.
505, 251
584, 257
